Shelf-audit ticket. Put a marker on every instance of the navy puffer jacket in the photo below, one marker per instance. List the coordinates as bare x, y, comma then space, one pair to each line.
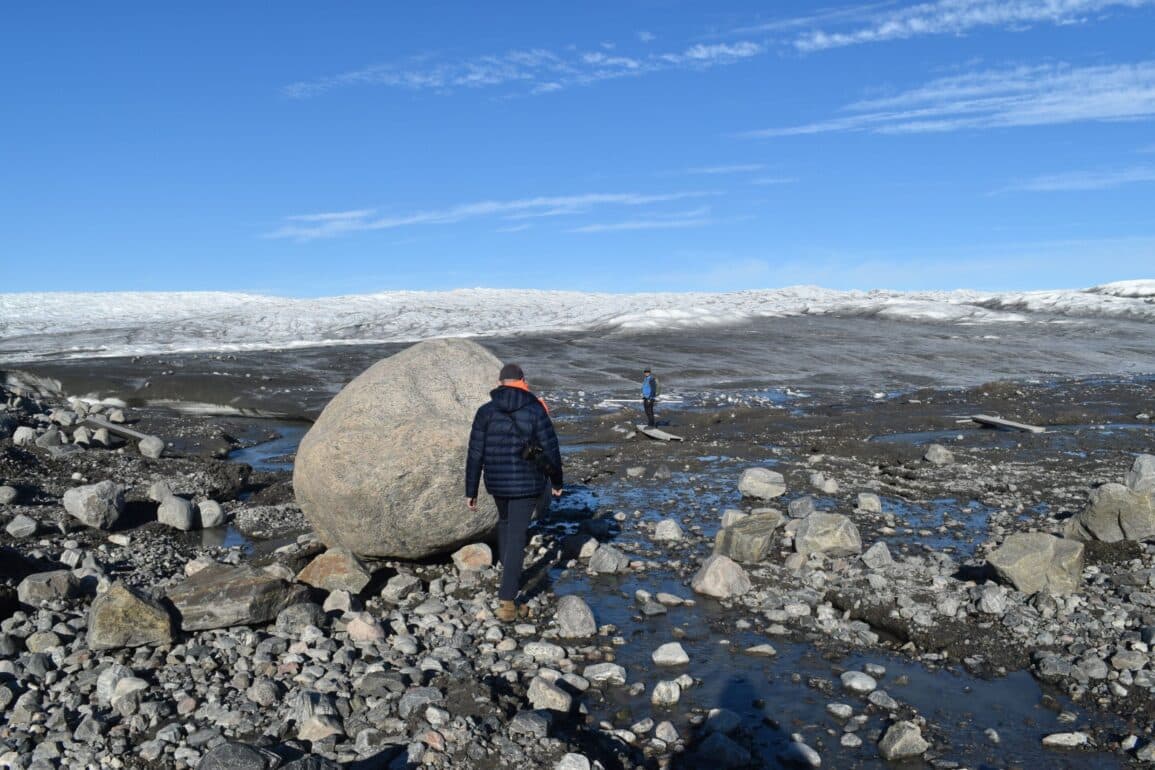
495, 446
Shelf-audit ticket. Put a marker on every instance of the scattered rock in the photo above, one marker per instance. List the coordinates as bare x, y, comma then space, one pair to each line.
721, 578
95, 505
220, 597
336, 570
1032, 561
761, 484
474, 556
608, 560
178, 513
670, 654
750, 539
125, 617
827, 533
575, 619
668, 530
901, 741
937, 454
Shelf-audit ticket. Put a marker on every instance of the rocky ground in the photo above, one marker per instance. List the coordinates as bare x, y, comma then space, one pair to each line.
132, 638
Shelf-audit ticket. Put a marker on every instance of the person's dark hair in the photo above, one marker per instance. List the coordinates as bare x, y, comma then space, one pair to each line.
511, 372
645, 371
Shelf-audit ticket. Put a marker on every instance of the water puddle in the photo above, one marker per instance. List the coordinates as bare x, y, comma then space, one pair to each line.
275, 454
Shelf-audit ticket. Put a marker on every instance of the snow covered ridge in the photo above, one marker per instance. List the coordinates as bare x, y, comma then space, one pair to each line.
62, 325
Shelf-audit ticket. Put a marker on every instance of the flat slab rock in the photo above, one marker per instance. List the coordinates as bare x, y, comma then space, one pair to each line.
220, 597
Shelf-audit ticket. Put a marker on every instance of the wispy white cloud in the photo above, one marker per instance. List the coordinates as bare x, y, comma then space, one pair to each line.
514, 228
534, 71
955, 17
646, 36
1085, 180
736, 168
331, 224
699, 217
1021, 96
773, 180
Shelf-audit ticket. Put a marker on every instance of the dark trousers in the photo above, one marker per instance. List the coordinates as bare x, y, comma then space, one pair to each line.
648, 405
513, 515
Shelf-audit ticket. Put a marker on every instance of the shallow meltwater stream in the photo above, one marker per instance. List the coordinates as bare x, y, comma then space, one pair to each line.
973, 722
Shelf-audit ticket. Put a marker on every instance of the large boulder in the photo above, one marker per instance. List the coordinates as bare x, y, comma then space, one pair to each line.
381, 470
1114, 512
749, 539
220, 597
1032, 561
125, 617
829, 533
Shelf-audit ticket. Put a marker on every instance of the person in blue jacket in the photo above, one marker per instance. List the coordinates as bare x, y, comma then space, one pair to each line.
513, 445
649, 396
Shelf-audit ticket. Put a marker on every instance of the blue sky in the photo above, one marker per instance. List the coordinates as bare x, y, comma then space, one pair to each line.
317, 149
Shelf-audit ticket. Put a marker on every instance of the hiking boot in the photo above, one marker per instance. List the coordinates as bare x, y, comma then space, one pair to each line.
507, 611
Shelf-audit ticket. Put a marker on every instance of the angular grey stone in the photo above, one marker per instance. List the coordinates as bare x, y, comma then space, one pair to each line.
8, 495
827, 533
24, 436
220, 597
296, 617
400, 586
546, 695
125, 617
95, 505
1141, 477
992, 599
608, 560
379, 472
732, 516
49, 438
211, 514
869, 502
937, 454
878, 556
761, 484
609, 673
1032, 561
21, 526
575, 619
418, 697
902, 740
666, 693
801, 507
750, 539
151, 446
159, 491
42, 588
721, 577
668, 530
474, 556
1113, 513
336, 570
823, 483
858, 682
534, 723
107, 680
178, 513
573, 761
670, 654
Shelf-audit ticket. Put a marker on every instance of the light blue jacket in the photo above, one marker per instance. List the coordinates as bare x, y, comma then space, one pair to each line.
648, 386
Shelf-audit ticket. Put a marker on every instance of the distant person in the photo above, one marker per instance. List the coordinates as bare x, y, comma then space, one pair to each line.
514, 445
650, 390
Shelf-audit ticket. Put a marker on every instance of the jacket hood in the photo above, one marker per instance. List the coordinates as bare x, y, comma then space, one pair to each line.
508, 399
